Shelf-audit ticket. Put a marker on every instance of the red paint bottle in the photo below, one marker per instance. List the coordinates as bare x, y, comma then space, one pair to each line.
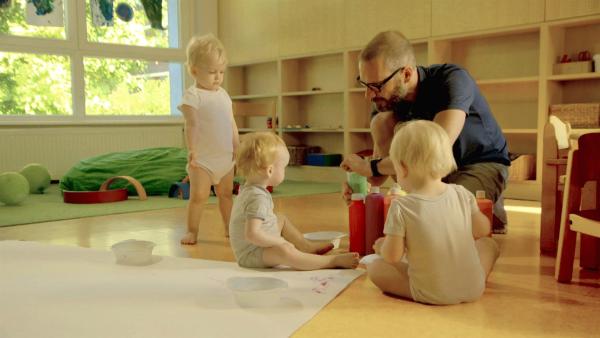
373, 218
357, 224
486, 206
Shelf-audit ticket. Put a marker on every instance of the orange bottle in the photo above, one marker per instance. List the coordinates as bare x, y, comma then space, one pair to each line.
486, 206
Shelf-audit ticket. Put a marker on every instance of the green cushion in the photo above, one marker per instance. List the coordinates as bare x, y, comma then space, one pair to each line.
155, 168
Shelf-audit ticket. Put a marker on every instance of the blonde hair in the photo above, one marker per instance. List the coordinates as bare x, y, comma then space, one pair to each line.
201, 48
257, 151
395, 49
424, 148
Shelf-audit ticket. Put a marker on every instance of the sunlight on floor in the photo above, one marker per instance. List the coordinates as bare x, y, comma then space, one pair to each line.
523, 209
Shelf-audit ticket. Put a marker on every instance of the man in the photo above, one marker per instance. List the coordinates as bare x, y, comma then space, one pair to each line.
446, 94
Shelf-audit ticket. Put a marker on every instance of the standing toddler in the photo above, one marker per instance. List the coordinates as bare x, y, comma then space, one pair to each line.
210, 132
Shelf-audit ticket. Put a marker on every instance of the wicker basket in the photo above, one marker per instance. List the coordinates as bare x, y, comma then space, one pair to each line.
522, 168
298, 153
579, 115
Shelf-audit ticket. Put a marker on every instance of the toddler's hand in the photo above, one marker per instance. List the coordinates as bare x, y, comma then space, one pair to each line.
378, 244
192, 160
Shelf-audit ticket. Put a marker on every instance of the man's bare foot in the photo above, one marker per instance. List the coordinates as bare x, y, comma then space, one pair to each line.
346, 261
189, 238
318, 248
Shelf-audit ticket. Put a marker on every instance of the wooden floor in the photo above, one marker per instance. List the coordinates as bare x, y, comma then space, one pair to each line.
522, 298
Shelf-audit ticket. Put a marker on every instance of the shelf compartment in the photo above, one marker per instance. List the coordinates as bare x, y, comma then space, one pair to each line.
580, 91
521, 143
305, 74
256, 123
311, 92
328, 142
571, 38
317, 111
514, 105
251, 97
359, 141
514, 80
359, 110
510, 55
253, 79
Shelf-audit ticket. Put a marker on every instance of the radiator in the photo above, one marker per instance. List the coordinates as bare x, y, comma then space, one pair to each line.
59, 148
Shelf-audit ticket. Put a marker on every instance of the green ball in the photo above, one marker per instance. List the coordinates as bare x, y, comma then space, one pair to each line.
14, 188
38, 177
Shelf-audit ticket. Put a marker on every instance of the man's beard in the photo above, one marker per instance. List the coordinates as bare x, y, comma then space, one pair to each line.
382, 104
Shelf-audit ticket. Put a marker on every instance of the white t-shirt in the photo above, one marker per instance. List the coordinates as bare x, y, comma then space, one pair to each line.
215, 120
443, 262
252, 201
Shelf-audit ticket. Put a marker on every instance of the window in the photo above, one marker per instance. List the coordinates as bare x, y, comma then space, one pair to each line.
126, 62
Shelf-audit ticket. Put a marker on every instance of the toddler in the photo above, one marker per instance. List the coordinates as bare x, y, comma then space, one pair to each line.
210, 131
259, 238
437, 225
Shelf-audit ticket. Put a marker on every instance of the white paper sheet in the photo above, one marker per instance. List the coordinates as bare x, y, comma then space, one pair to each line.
52, 19
59, 291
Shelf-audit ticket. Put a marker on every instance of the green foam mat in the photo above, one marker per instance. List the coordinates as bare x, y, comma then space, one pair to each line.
50, 206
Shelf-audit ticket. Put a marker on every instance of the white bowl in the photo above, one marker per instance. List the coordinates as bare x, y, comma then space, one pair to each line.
256, 291
133, 252
326, 236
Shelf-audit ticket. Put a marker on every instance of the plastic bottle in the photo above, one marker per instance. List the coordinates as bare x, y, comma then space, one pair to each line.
357, 224
357, 183
485, 206
373, 218
393, 193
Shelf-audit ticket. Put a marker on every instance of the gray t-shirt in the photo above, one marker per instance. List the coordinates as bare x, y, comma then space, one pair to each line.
443, 263
252, 201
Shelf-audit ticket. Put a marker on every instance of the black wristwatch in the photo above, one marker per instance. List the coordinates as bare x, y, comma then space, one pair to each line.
374, 169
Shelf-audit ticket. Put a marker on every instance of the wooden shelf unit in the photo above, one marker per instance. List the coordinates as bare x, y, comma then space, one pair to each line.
512, 66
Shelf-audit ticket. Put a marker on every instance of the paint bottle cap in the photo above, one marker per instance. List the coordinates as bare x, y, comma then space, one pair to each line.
480, 194
358, 197
374, 189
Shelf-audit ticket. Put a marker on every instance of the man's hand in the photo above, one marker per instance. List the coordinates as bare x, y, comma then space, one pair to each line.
356, 164
347, 193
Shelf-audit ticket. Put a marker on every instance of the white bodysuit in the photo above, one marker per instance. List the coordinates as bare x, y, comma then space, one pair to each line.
214, 114
443, 263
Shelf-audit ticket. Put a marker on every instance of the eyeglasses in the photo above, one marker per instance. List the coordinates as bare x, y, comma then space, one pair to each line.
376, 86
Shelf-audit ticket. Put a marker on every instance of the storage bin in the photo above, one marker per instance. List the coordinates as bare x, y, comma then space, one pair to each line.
522, 168
298, 154
324, 160
573, 67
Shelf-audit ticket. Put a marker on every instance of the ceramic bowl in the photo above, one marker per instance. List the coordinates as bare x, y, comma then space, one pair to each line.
326, 236
133, 252
256, 291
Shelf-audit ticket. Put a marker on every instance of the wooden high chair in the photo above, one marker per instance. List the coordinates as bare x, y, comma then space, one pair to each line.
583, 166
556, 150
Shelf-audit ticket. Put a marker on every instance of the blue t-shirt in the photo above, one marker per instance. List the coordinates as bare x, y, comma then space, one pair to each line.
448, 86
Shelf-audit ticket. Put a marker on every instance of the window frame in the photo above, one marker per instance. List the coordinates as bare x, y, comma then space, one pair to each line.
76, 47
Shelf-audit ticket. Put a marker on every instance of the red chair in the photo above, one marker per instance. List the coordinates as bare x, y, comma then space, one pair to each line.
583, 166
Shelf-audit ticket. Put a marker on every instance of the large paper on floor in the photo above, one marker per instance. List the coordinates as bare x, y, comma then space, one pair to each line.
57, 291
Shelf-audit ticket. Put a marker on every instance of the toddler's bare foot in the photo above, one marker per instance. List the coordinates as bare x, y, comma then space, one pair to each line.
346, 261
226, 232
189, 238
